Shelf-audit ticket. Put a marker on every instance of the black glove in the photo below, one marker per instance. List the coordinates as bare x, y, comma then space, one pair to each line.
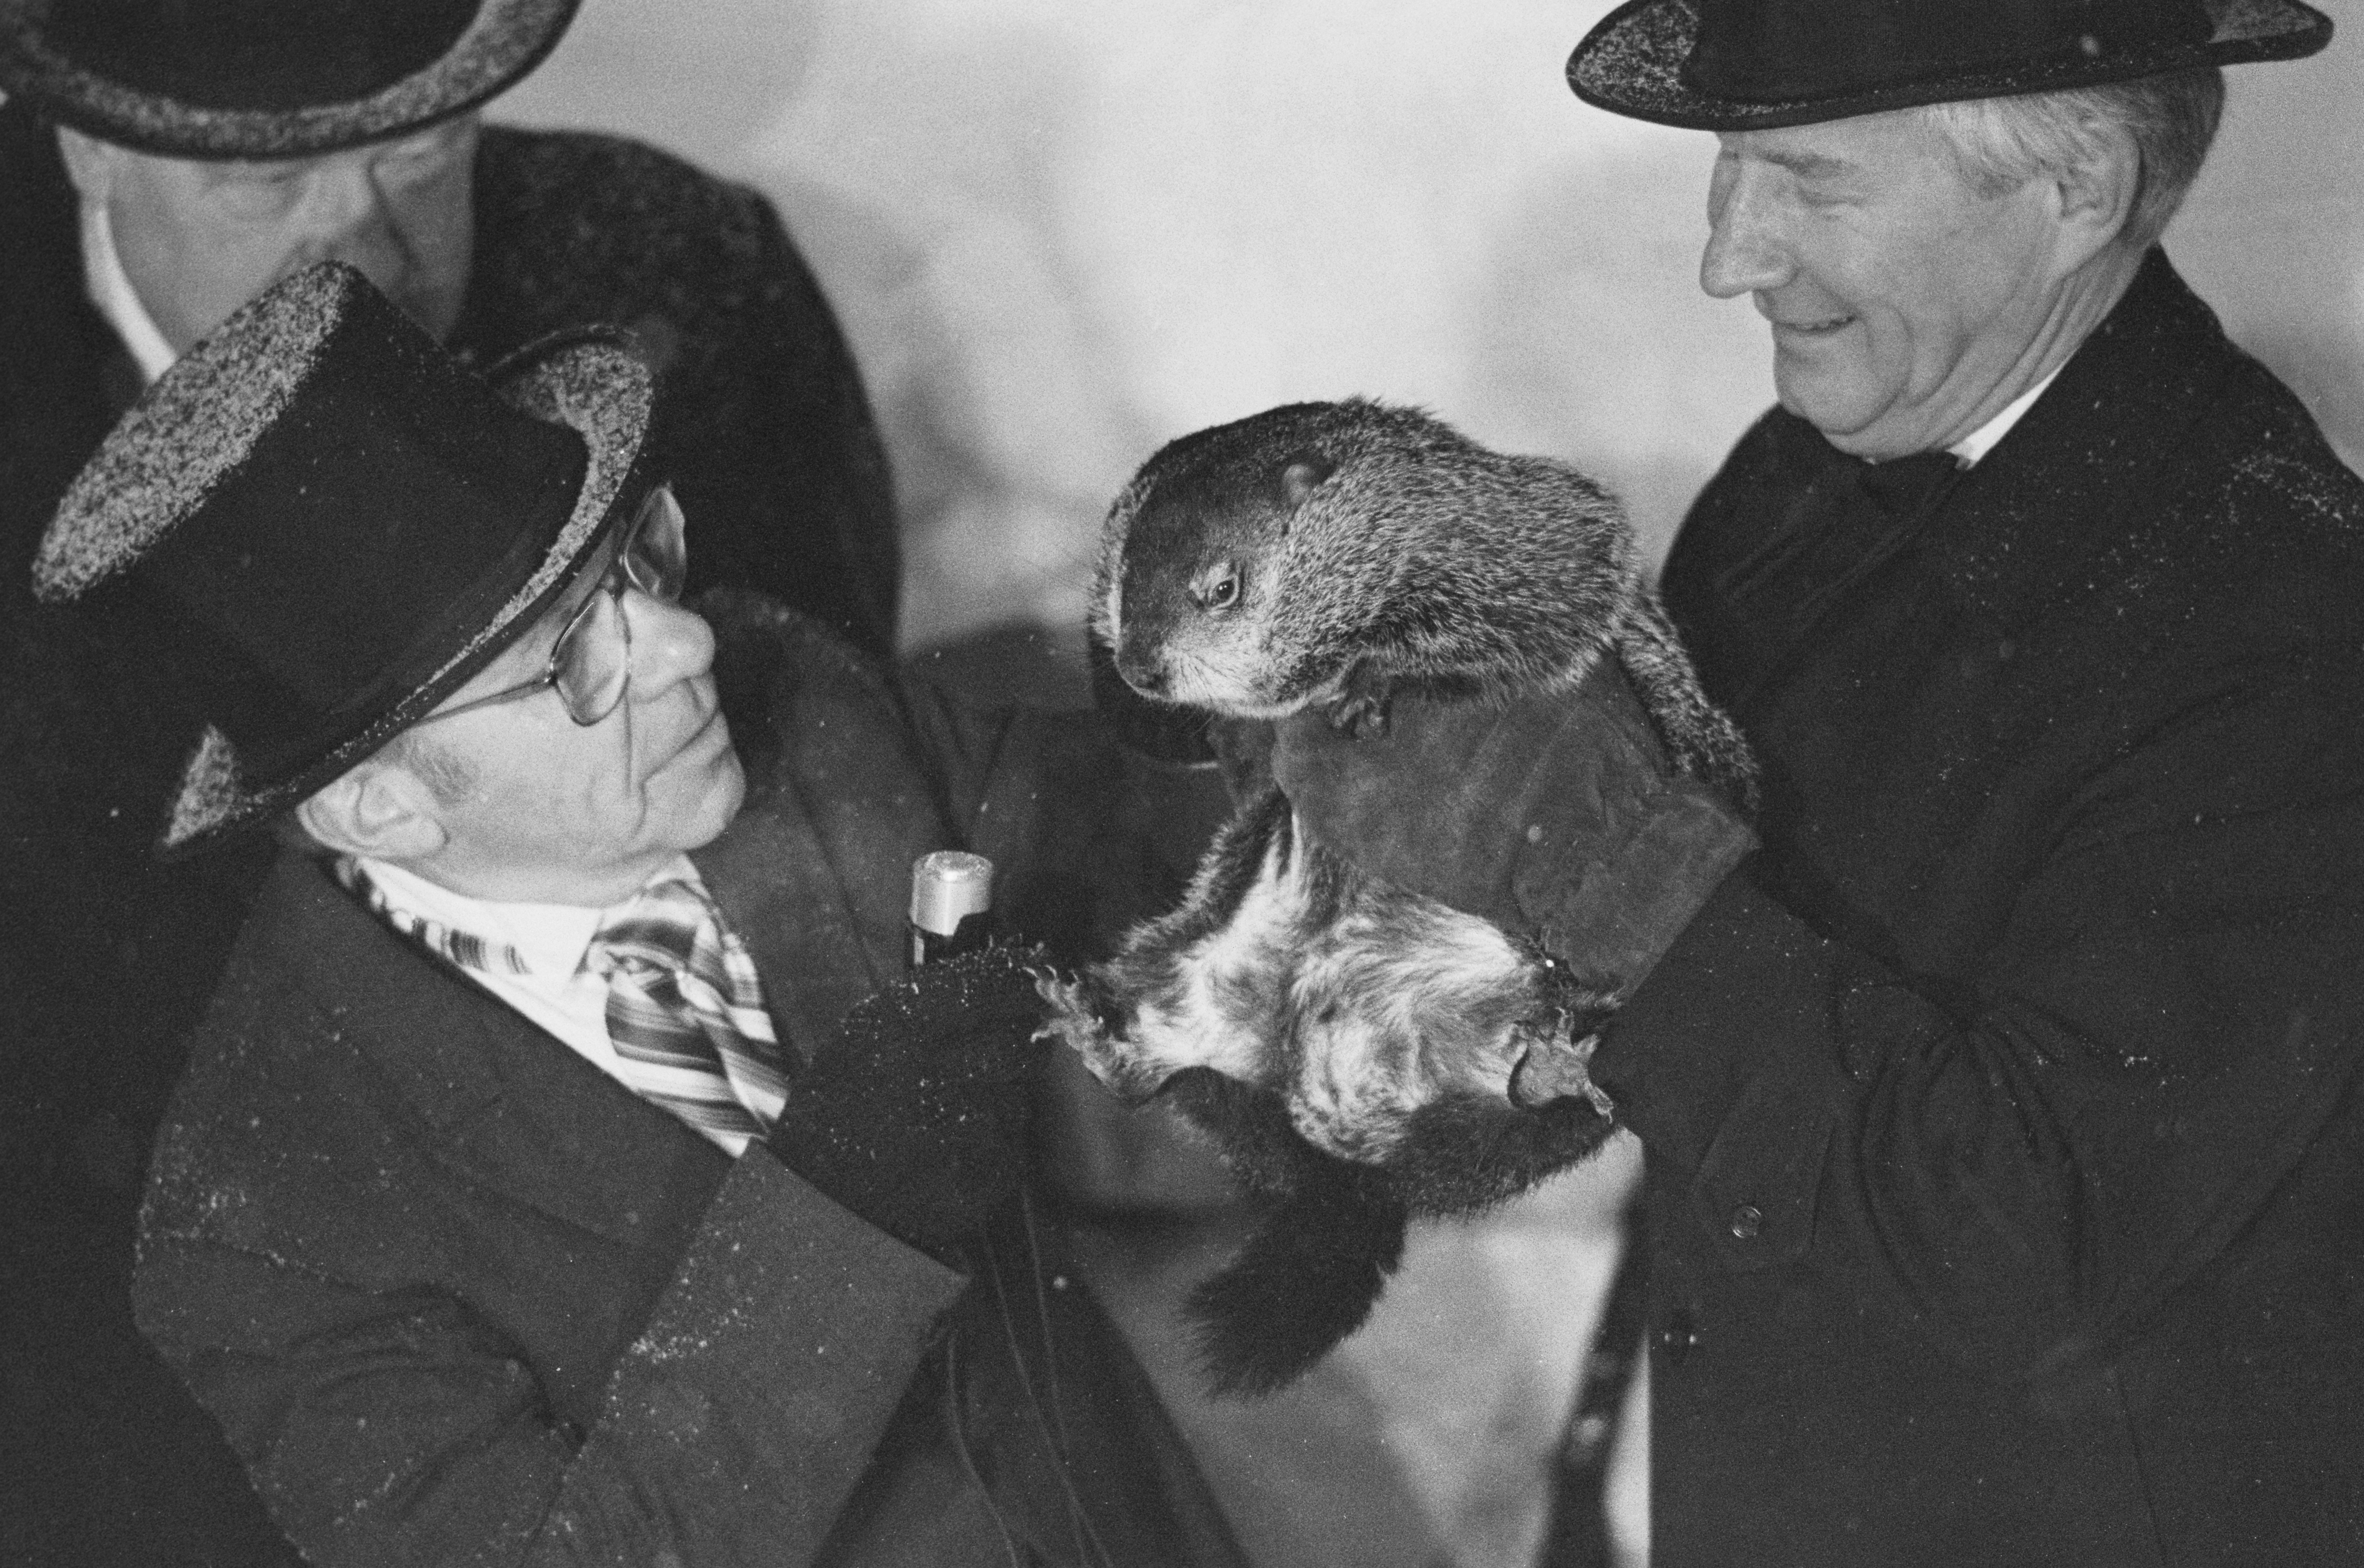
916, 1119
1554, 814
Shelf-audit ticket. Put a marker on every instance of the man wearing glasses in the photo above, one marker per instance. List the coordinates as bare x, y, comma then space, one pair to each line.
162, 162
568, 1169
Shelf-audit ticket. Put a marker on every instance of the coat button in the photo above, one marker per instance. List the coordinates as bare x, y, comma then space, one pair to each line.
1748, 1221
1678, 1337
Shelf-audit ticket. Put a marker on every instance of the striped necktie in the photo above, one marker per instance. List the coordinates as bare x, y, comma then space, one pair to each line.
685, 1005
685, 1012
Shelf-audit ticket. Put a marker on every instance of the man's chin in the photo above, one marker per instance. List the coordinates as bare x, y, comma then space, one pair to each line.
1837, 411
700, 788
726, 791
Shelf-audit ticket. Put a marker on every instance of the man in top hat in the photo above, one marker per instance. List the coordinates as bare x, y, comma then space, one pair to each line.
159, 163
568, 1170
2006, 1146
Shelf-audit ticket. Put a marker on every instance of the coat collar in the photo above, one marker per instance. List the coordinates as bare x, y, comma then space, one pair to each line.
2031, 521
519, 1111
507, 1104
56, 401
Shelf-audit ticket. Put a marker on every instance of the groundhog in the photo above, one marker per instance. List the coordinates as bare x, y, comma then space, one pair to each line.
1359, 1052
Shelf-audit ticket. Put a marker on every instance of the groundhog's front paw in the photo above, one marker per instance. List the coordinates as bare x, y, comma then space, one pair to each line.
1361, 709
1074, 1015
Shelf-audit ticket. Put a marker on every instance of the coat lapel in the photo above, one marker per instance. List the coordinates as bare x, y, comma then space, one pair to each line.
511, 1106
815, 874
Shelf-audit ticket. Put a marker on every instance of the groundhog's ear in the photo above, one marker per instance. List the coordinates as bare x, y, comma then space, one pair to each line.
1301, 476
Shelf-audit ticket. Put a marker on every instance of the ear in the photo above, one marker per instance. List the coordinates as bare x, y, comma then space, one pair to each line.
377, 809
90, 162
1301, 476
2096, 199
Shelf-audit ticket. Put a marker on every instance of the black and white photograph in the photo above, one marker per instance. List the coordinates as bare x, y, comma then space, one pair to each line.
1181, 783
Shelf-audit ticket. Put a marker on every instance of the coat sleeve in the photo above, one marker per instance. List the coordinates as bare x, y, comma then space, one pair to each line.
400, 1424
2022, 1159
1090, 835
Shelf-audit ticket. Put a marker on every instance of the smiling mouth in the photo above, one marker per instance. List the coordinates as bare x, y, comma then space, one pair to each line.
1821, 329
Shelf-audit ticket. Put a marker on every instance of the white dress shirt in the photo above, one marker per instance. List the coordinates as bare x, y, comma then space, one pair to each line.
104, 281
1980, 441
557, 990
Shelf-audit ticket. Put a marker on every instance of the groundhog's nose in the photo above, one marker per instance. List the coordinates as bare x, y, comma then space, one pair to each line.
1146, 676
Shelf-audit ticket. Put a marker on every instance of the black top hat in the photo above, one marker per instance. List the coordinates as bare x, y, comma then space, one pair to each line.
266, 78
332, 525
1757, 64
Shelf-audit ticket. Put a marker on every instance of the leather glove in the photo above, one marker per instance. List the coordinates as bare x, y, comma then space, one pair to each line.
1553, 815
917, 1117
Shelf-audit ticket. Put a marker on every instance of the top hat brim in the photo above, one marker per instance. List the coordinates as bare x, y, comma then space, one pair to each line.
1631, 64
590, 380
505, 39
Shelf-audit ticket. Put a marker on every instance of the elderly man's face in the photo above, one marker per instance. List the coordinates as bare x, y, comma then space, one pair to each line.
541, 809
1905, 305
199, 239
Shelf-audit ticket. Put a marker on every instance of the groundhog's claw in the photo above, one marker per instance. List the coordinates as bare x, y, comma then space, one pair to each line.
1556, 1068
1361, 709
1073, 1019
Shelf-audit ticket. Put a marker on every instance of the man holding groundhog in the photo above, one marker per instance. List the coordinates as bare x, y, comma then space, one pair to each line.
2005, 1151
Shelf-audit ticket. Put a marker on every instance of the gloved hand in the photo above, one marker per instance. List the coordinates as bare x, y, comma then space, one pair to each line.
917, 1117
1557, 816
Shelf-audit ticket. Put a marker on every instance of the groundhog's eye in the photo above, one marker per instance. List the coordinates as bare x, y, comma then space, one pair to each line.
1218, 587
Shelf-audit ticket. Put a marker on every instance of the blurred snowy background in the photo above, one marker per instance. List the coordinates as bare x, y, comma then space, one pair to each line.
1061, 232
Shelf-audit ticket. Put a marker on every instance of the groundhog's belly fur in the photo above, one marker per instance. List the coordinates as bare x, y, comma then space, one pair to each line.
1358, 1004
1358, 1053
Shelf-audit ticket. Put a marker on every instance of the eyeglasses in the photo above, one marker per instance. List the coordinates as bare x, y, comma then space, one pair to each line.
591, 660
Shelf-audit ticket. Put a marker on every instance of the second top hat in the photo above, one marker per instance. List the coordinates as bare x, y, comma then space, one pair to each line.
1761, 64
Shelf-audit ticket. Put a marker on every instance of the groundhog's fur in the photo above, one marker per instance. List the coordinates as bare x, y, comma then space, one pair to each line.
1359, 1052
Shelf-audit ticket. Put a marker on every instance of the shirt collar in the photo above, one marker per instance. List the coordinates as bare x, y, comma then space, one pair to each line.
551, 938
1980, 441
110, 290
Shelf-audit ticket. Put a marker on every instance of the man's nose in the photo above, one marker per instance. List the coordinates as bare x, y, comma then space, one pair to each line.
346, 217
1745, 253
670, 644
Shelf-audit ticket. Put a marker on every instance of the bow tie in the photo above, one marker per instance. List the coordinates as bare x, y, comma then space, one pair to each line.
1900, 484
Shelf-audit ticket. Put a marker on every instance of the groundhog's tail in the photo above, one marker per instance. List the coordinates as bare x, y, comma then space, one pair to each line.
1305, 1281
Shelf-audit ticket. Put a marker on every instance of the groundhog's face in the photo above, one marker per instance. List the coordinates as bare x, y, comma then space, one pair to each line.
1199, 595
1188, 609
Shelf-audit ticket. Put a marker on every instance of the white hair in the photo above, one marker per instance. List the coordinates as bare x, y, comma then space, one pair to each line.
2169, 120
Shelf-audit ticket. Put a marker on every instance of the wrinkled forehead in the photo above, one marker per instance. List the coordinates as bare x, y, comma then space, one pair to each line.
418, 152
1855, 144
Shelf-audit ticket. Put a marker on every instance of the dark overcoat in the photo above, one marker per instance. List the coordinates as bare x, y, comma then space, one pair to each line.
106, 957
457, 1296
2005, 1154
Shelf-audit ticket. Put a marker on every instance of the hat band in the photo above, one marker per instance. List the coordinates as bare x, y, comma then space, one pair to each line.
1787, 51
258, 54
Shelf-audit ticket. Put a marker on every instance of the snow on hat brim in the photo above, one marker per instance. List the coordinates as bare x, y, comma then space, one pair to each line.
1631, 64
505, 39
589, 380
